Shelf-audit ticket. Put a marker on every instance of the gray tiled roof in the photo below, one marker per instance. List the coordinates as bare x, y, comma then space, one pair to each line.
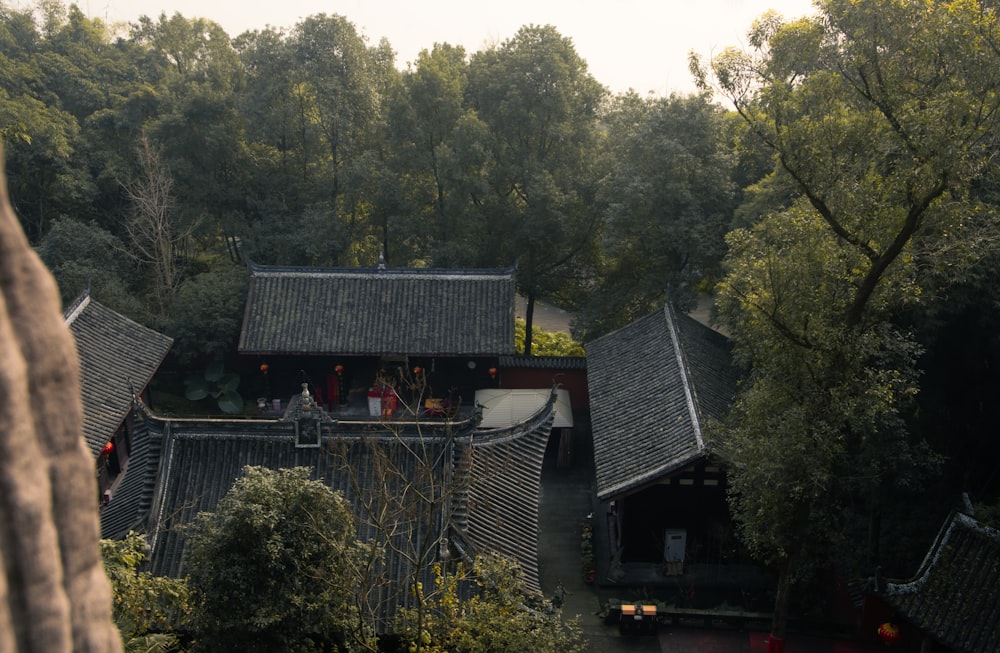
545, 362
368, 311
492, 505
114, 351
955, 596
505, 470
652, 384
133, 498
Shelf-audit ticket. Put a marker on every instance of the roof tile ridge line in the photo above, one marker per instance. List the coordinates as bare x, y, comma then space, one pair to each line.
459, 425
163, 479
447, 460
260, 269
970, 522
685, 373
149, 481
74, 311
919, 579
342, 273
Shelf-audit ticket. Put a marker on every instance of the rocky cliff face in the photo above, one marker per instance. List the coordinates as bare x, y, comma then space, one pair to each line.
54, 595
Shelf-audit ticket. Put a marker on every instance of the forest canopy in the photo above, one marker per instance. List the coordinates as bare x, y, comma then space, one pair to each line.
175, 150
840, 203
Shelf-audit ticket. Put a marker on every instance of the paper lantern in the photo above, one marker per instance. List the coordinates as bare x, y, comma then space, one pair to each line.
108, 448
339, 369
888, 633
493, 372
264, 367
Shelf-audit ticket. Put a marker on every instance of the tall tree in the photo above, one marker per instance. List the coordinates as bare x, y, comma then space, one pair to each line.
422, 122
882, 113
540, 105
41, 134
267, 106
667, 200
196, 127
338, 89
154, 235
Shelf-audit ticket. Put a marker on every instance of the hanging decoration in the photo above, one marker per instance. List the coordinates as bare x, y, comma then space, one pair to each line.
889, 634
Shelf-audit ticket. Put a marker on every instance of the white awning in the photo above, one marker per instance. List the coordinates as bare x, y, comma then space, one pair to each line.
505, 407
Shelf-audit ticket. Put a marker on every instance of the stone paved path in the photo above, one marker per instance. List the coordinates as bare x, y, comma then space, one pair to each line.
567, 498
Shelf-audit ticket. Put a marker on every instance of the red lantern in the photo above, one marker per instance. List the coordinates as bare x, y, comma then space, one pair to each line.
108, 448
493, 372
339, 369
418, 371
889, 634
264, 367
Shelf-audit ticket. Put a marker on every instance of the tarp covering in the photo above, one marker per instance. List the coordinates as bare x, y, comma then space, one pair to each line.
505, 407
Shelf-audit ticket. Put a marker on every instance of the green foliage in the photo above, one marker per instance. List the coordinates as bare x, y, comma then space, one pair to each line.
208, 313
537, 106
312, 238
881, 114
268, 569
546, 343
83, 255
423, 123
145, 608
667, 200
501, 617
215, 382
989, 514
809, 386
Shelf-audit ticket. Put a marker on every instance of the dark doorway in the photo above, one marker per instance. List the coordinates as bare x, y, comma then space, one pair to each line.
699, 510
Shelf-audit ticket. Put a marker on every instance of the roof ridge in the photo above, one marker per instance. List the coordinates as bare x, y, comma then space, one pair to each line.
77, 307
258, 269
686, 381
955, 520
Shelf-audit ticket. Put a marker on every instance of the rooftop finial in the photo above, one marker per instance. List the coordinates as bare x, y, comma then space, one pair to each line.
381, 260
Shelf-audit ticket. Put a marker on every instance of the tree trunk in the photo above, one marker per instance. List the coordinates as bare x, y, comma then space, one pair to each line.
779, 620
529, 321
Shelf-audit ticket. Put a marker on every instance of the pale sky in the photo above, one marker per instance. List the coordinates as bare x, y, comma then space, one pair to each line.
638, 44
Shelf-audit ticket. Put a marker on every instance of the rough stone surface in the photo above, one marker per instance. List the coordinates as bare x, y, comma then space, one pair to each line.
54, 595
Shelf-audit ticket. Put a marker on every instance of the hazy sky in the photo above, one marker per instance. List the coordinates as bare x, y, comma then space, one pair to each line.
638, 44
